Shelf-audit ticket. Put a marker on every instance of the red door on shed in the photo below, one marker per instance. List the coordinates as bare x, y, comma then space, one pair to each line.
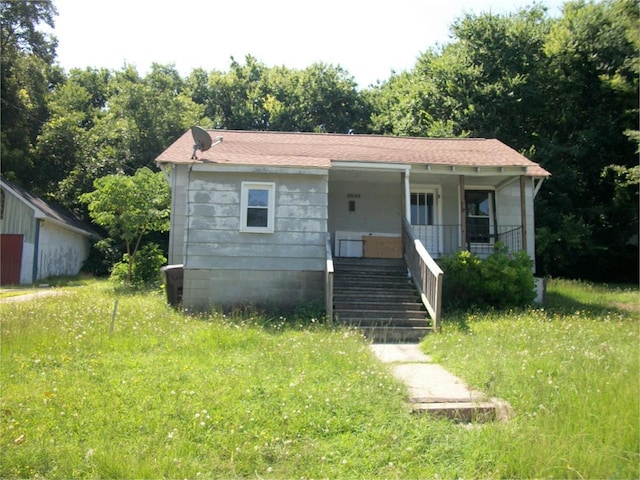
10, 258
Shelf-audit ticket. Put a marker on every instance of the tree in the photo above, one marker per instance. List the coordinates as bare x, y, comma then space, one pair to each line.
593, 104
252, 96
26, 75
111, 122
75, 106
562, 91
129, 207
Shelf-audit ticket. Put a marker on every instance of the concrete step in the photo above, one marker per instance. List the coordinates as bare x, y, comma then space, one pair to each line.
368, 262
433, 390
393, 271
366, 291
394, 334
465, 412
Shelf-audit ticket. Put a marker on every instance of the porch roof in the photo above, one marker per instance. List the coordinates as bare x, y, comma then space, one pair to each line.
318, 150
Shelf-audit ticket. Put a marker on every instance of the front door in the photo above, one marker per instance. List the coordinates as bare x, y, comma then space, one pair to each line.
424, 219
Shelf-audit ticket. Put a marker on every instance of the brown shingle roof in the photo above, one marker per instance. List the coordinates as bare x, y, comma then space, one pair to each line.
318, 150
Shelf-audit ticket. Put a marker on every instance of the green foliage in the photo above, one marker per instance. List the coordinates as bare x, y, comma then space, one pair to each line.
26, 75
129, 207
592, 56
145, 267
501, 280
562, 90
102, 257
252, 96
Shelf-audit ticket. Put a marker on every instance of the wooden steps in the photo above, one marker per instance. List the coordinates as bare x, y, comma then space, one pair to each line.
377, 297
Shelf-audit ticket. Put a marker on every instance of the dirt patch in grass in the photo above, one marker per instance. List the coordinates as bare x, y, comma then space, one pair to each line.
629, 307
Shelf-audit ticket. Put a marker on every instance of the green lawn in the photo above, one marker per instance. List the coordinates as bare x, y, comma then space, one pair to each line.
169, 395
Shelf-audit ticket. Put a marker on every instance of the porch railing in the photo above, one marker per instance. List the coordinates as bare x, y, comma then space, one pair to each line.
328, 279
426, 274
440, 240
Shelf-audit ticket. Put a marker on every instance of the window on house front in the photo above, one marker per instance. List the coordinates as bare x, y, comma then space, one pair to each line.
257, 214
479, 215
421, 208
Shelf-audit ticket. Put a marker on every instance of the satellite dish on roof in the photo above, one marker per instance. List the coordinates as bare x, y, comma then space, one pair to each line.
202, 140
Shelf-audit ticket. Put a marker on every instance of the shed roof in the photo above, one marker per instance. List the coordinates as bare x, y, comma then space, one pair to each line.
318, 150
49, 210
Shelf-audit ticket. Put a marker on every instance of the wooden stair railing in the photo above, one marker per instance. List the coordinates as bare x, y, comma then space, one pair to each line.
426, 273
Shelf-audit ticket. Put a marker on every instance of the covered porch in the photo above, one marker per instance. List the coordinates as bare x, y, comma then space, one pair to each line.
422, 213
448, 209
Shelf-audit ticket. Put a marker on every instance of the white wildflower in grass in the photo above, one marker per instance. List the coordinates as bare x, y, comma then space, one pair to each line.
348, 421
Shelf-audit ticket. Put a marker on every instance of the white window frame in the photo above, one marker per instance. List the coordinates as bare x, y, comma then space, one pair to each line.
244, 206
433, 234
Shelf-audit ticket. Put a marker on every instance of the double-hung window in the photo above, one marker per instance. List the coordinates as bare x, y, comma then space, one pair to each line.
479, 216
257, 207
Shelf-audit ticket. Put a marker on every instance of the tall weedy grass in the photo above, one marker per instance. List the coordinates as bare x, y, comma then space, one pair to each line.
171, 395
571, 373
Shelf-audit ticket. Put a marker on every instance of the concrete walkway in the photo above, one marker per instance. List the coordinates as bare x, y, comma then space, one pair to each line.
434, 390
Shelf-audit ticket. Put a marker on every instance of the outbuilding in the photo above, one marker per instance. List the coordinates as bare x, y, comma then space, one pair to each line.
38, 239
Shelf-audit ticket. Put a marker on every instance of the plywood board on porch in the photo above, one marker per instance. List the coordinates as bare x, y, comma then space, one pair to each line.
382, 247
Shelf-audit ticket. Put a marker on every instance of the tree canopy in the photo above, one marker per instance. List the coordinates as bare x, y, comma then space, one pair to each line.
27, 76
130, 207
561, 90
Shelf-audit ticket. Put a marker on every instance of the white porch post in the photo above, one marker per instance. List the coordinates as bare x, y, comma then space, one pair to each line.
523, 210
407, 195
463, 215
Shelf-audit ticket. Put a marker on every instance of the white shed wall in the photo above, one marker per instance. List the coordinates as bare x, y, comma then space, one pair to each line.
61, 251
26, 266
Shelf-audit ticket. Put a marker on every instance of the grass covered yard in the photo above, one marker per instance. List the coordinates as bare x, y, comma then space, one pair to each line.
168, 395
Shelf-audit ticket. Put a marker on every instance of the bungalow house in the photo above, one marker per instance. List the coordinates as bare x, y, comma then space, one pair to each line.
258, 218
37, 238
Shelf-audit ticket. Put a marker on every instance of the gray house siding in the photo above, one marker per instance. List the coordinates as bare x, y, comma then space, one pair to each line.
376, 200
222, 263
178, 182
509, 209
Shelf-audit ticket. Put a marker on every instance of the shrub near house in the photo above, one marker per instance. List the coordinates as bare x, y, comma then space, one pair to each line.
500, 280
